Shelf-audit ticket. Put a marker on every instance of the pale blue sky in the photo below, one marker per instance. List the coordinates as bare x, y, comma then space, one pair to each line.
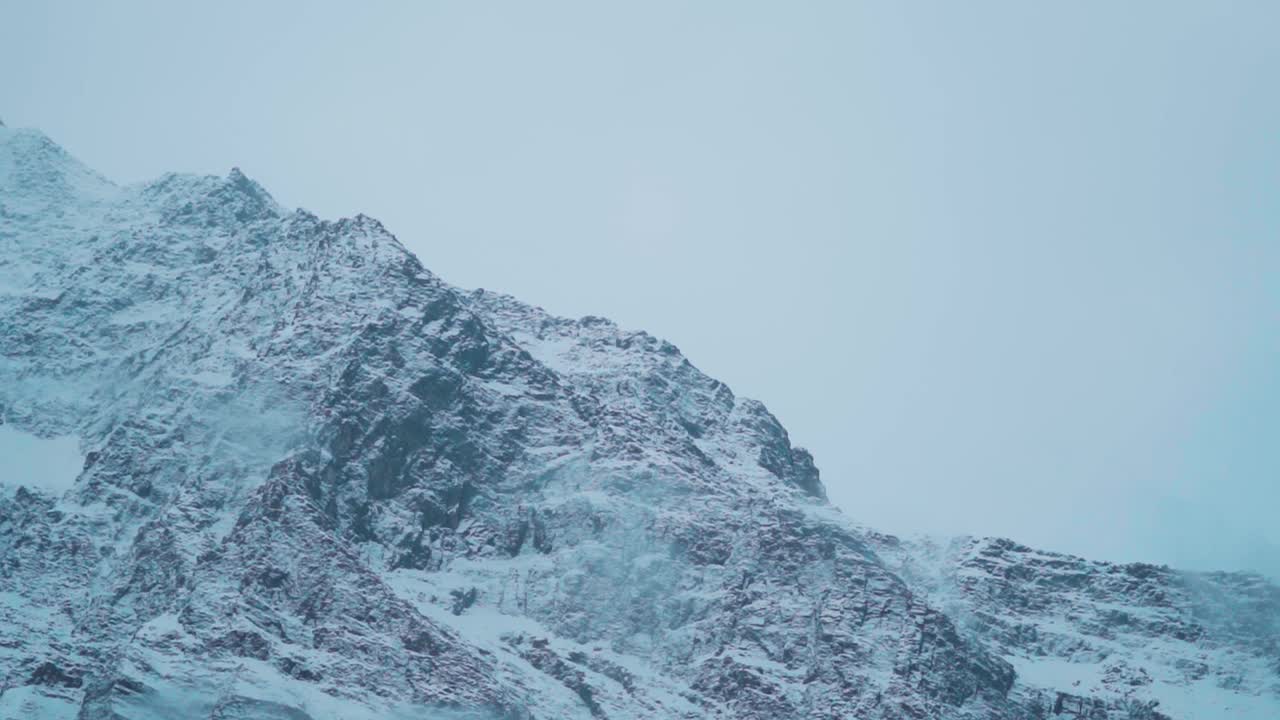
1006, 268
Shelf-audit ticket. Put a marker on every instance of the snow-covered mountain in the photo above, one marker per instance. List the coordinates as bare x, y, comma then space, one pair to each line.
312, 480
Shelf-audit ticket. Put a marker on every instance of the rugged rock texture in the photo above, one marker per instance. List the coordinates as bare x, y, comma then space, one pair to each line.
320, 483
1101, 640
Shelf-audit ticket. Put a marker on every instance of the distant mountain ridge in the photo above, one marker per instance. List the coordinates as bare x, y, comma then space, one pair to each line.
319, 482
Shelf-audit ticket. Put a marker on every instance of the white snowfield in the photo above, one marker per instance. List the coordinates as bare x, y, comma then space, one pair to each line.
261, 465
48, 465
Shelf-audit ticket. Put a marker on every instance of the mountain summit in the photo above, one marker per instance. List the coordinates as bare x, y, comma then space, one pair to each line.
319, 482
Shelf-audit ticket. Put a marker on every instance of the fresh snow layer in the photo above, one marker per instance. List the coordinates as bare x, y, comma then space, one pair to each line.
50, 465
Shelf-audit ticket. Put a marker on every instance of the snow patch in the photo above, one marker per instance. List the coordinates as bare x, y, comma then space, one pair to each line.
46, 464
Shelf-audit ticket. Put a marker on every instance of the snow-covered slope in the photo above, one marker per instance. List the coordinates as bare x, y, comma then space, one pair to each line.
1094, 639
318, 482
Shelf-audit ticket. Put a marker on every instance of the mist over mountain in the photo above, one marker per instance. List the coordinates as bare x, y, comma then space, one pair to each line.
266, 465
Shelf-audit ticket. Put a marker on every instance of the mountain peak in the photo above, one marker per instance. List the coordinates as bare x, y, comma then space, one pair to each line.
41, 172
318, 482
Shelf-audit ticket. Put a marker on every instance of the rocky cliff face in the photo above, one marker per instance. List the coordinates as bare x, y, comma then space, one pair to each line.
318, 482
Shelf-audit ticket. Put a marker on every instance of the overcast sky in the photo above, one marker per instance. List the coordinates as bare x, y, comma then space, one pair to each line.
1006, 268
